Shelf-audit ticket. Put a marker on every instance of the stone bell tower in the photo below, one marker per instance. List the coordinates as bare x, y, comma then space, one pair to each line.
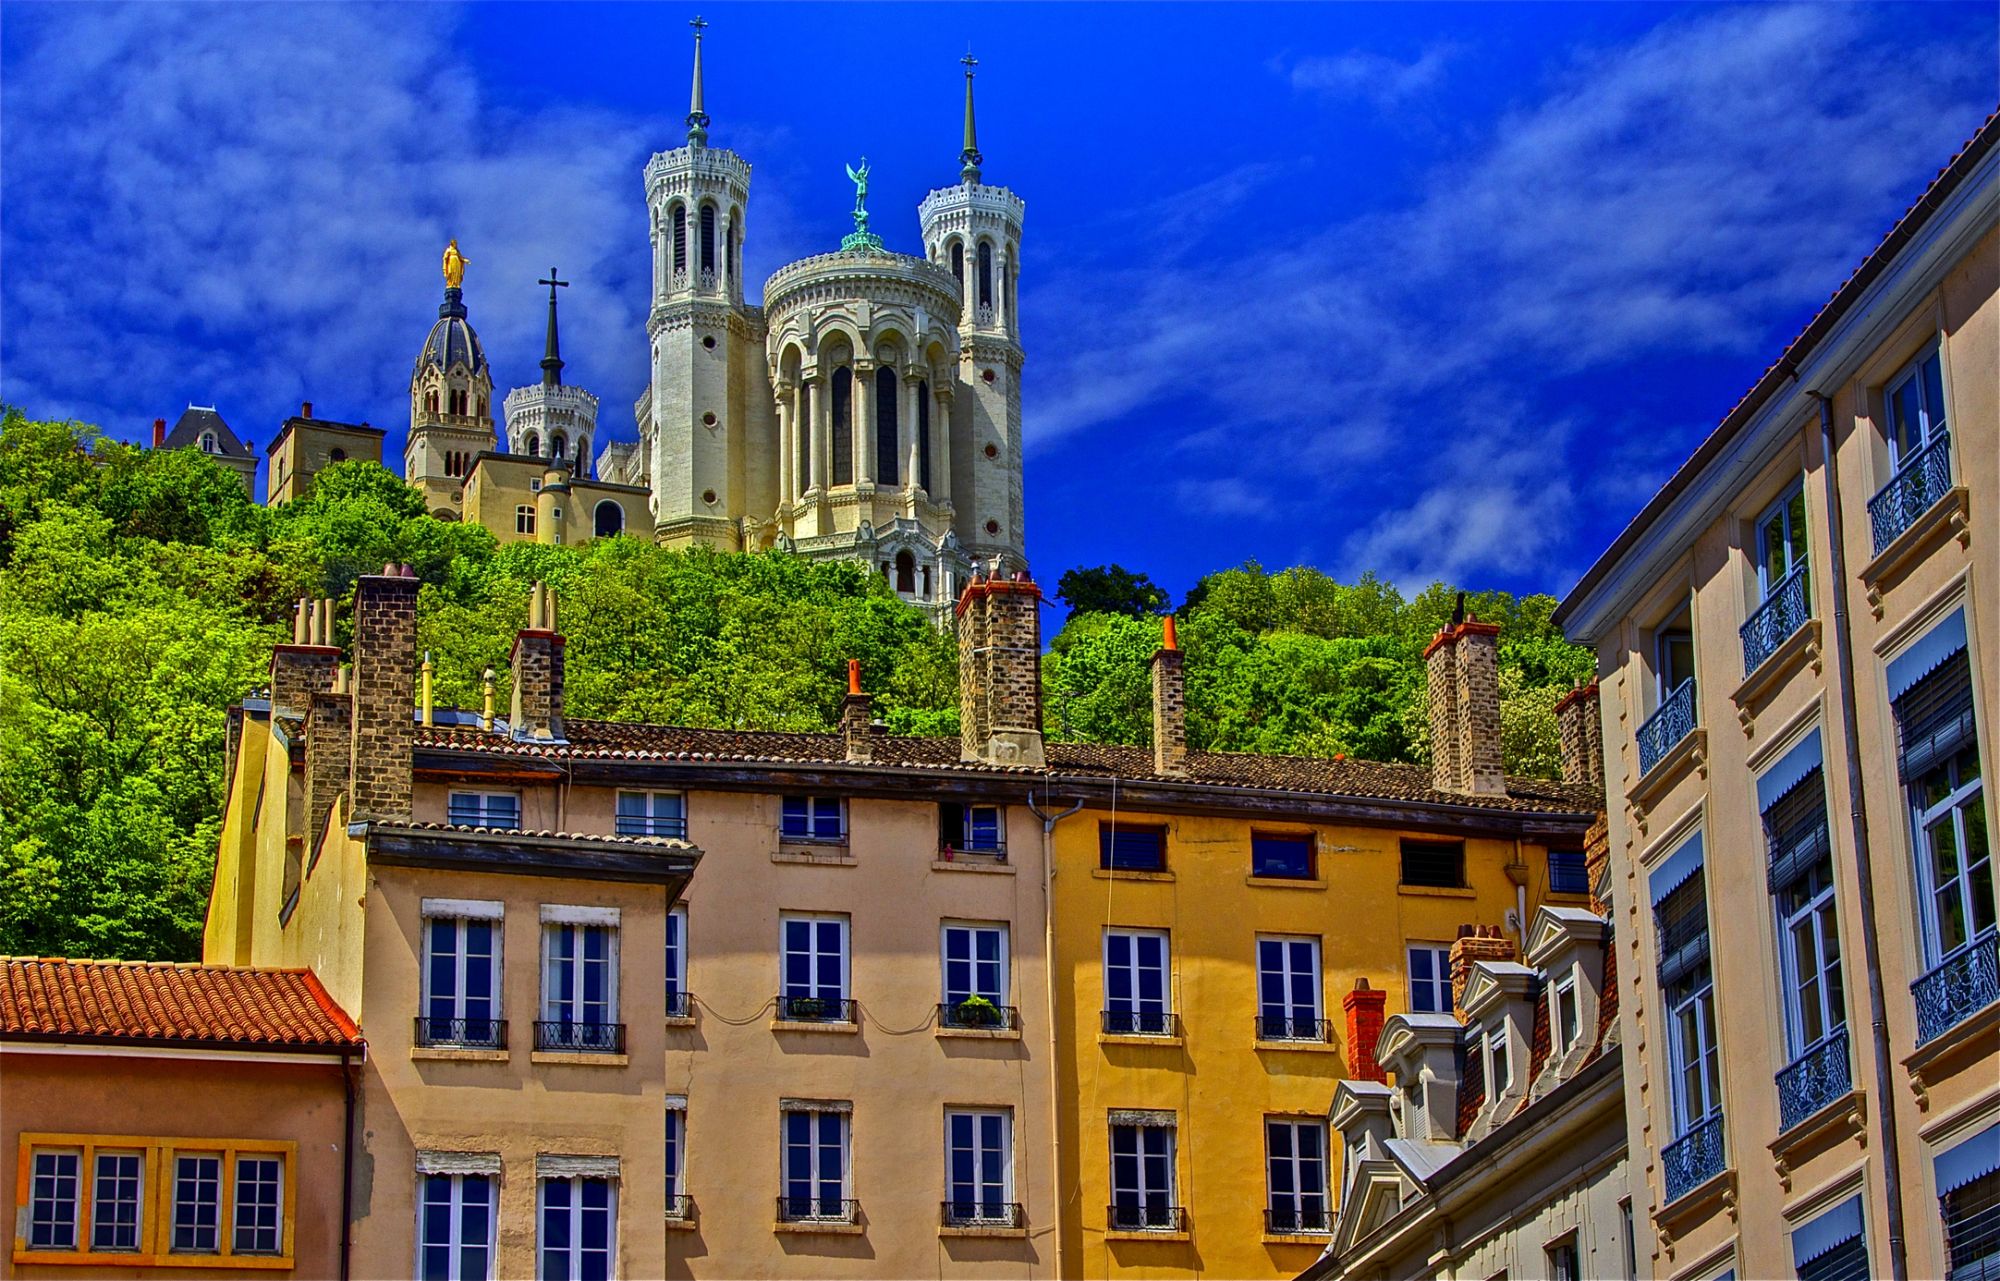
974, 230
451, 400
708, 410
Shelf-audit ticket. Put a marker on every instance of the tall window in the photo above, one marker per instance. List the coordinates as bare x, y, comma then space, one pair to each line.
958, 261
1940, 766
1295, 1165
986, 274
580, 988
609, 519
558, 446
116, 1203
1564, 1263
1565, 1016
52, 1203
1781, 541
455, 1228
1673, 654
524, 519
888, 466
461, 981
579, 1229
1498, 1066
499, 810
1680, 910
1136, 989
1915, 401
708, 239
811, 818
260, 1202
1793, 800
979, 1167
1968, 1183
906, 572
679, 1004
1430, 978
680, 239
924, 435
1142, 1176
197, 1203
1288, 996
975, 965
652, 814
815, 1174
843, 426
813, 956
676, 1157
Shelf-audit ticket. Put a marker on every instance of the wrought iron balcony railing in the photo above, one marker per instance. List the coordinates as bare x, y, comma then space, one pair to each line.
585, 1038
1145, 1216
1292, 1027
496, 817
1961, 985
680, 1207
979, 1212
640, 825
1784, 611
467, 1034
816, 1009
979, 1015
1913, 490
1297, 1218
1816, 1078
680, 1005
817, 1209
1693, 1159
1141, 1023
1666, 727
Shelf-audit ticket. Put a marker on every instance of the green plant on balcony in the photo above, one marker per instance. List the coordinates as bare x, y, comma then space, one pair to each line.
976, 1011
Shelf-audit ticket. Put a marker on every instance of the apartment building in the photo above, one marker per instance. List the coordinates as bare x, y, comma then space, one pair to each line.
1795, 641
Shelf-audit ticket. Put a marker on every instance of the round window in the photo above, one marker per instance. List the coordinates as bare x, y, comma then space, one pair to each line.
708, 341
708, 495
987, 374
993, 451
992, 526
708, 419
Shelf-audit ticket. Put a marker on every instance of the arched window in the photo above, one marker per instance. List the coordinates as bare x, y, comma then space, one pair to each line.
924, 435
455, 404
729, 246
802, 427
843, 426
680, 240
906, 572
337, 456
533, 444
887, 466
557, 446
431, 400
986, 273
610, 519
708, 238
958, 262
582, 452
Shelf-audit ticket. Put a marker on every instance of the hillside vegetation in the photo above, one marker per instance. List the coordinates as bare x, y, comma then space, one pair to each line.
141, 592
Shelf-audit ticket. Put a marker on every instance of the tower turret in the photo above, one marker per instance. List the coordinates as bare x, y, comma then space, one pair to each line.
550, 420
451, 399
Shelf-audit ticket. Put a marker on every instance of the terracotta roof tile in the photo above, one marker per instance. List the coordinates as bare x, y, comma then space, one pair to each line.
56, 999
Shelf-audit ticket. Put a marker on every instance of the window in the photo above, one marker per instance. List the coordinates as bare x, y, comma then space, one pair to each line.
1956, 856
906, 573
197, 1203
679, 1004
958, 260
115, 1201
524, 519
1567, 873
1564, 1015
843, 426
972, 829
1288, 996
1564, 1265
462, 981
708, 239
259, 1204
813, 953
924, 435
979, 1167
1781, 541
579, 1225
1631, 1236
812, 818
455, 1228
1295, 1165
208, 443
558, 446
579, 984
1285, 855
1142, 1176
888, 466
1680, 911
1970, 1207
975, 965
652, 814
533, 444
1434, 863
985, 274
498, 810
1833, 1246
1135, 983
52, 1205
1123, 847
1499, 1068
680, 239
676, 1158
1914, 399
1673, 654
815, 1175
1430, 978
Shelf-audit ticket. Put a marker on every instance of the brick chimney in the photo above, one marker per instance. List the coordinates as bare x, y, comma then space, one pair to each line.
1577, 719
1000, 671
159, 432
384, 693
538, 672
856, 712
1169, 707
305, 409
1475, 943
329, 715
1364, 1028
307, 665
1463, 663
1596, 860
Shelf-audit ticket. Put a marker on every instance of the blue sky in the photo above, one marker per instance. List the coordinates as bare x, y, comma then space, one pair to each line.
1439, 291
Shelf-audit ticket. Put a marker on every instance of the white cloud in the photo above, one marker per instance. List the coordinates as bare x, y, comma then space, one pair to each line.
1373, 77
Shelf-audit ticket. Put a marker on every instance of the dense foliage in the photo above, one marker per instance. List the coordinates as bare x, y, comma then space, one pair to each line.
141, 592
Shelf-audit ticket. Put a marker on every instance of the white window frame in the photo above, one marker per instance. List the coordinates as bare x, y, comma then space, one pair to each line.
972, 930
1932, 420
814, 954
553, 999
814, 811
1287, 971
459, 798
1494, 1046
74, 1201
1441, 958
1780, 509
462, 966
978, 1149
1705, 1054
1298, 1165
815, 1152
576, 1212
674, 1151
1143, 1189
649, 821
455, 1243
675, 967
1136, 1004
1953, 807
1817, 915
1566, 988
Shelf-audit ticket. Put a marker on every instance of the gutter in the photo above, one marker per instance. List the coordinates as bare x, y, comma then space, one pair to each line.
347, 1166
1864, 870
1049, 821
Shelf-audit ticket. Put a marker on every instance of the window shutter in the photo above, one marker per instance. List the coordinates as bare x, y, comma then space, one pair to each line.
1934, 716
1682, 918
1795, 831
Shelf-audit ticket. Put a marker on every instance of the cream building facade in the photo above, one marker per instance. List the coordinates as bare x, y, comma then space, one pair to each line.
1799, 679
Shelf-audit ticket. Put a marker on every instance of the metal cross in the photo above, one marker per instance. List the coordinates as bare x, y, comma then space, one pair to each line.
554, 282
969, 61
697, 22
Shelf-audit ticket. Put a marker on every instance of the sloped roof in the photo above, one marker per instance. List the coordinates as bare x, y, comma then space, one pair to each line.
53, 999
194, 421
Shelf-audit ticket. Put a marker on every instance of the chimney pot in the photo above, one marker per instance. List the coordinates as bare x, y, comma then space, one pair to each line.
159, 432
853, 676
305, 409
1170, 642
1365, 1007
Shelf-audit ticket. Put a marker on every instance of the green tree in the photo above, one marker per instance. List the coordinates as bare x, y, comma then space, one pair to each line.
1110, 589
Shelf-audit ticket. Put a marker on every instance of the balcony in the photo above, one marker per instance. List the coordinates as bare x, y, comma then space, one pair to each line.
981, 1213
680, 1005
817, 1209
1292, 1027
978, 1014
815, 1009
1962, 985
580, 1038
1296, 1220
1813, 1080
1141, 1023
462, 1034
1147, 1216
1665, 728
1692, 1159
1913, 490
680, 1207
1787, 608
640, 825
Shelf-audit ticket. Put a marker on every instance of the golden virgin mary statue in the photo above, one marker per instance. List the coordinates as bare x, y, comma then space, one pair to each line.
454, 265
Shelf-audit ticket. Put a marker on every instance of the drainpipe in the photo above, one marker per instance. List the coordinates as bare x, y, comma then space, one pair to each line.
1857, 817
347, 1164
1049, 821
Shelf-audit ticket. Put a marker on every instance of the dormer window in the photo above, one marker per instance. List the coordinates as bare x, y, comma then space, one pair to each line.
1499, 1074
1564, 1014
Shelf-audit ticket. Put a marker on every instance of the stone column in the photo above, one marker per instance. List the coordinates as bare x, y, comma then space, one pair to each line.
940, 443
817, 427
863, 409
787, 444
906, 426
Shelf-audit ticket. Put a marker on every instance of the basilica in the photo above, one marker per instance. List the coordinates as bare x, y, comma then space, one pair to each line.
869, 409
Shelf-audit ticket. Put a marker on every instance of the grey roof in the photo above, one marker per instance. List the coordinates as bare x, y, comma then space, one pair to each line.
452, 340
194, 422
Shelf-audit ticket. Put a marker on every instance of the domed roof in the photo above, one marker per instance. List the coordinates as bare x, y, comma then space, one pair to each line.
452, 340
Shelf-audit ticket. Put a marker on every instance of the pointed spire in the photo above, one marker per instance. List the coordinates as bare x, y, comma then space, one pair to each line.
552, 361
969, 158
697, 119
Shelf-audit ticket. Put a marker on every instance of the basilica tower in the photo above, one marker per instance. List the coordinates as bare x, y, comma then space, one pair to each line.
974, 231
550, 419
707, 410
451, 400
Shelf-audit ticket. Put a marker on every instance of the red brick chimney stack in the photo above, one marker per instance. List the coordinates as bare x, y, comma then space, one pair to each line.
1000, 671
159, 432
1475, 943
856, 713
385, 695
305, 666
1364, 1028
538, 672
1463, 663
1169, 706
1582, 729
